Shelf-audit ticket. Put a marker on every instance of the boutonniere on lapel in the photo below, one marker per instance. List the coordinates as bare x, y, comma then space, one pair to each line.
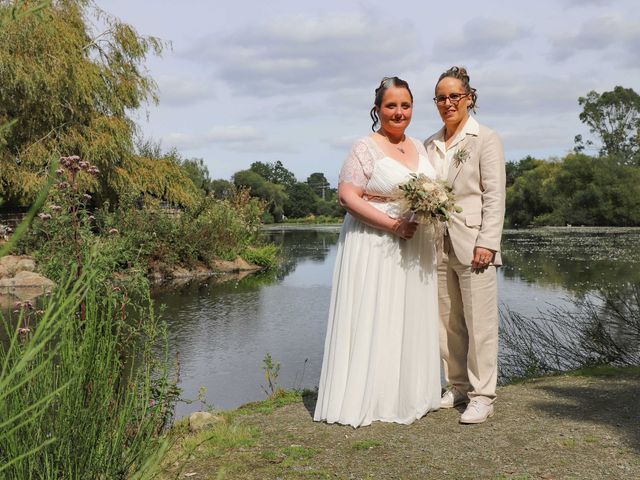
461, 155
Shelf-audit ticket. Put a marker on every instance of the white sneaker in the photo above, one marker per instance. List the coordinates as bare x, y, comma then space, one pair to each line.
452, 398
476, 412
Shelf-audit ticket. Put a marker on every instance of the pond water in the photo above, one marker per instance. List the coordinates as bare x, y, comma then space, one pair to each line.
221, 332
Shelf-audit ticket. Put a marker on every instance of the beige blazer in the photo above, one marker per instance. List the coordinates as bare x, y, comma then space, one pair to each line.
479, 184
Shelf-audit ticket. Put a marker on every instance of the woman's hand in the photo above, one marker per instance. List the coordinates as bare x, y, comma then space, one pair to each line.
404, 228
350, 197
482, 257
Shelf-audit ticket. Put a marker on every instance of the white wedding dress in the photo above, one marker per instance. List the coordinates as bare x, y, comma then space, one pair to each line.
381, 356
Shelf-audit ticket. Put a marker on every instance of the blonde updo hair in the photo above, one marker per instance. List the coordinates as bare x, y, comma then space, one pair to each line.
461, 74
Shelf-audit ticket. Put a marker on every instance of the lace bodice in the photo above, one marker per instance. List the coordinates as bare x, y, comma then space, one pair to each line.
368, 166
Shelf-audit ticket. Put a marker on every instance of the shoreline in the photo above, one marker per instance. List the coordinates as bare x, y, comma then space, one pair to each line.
583, 424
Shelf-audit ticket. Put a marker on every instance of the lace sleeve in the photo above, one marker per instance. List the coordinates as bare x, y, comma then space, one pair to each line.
358, 166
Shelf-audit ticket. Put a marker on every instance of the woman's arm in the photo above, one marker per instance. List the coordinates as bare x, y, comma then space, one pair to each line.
350, 197
492, 178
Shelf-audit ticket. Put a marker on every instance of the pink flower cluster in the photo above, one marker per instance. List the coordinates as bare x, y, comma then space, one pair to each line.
74, 164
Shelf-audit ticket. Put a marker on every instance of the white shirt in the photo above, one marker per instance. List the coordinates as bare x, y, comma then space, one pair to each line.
445, 155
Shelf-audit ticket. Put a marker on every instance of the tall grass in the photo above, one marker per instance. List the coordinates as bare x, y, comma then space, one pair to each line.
88, 398
603, 328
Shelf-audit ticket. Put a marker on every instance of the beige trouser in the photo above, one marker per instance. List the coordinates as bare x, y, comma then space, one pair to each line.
468, 301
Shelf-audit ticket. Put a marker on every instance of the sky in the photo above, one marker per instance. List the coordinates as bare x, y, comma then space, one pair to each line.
294, 80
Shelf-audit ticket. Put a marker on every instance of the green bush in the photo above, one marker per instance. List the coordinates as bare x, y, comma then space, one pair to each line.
266, 256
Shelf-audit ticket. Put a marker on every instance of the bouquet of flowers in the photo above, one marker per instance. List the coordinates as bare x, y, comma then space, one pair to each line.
430, 201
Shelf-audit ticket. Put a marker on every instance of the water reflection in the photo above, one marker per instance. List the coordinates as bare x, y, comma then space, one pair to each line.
223, 331
576, 259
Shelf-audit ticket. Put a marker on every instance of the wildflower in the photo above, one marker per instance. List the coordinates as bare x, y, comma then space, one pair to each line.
93, 170
44, 216
86, 196
56, 208
113, 231
60, 171
83, 164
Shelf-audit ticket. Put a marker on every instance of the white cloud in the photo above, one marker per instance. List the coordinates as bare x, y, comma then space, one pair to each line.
180, 91
604, 34
229, 137
587, 3
310, 53
342, 143
481, 38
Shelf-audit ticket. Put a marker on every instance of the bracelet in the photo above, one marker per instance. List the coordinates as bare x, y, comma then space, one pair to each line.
396, 226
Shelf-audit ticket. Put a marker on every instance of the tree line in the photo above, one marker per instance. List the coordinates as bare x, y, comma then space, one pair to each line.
285, 197
581, 189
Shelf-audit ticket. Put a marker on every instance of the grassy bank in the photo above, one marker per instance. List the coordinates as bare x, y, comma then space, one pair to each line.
584, 424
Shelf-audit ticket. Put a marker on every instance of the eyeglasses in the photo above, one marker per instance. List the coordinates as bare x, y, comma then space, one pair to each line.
454, 98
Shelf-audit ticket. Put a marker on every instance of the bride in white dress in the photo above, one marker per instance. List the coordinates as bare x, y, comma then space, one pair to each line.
381, 357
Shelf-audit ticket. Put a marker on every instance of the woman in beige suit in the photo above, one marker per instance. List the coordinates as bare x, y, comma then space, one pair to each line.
470, 157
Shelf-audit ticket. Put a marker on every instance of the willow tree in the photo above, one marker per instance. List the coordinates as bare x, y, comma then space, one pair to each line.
68, 89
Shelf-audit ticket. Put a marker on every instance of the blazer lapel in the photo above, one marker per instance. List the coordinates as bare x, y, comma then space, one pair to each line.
468, 143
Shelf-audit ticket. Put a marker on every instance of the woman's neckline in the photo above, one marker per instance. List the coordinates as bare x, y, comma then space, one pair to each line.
398, 161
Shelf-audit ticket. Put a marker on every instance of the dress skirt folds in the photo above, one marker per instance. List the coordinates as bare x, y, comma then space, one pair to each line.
381, 358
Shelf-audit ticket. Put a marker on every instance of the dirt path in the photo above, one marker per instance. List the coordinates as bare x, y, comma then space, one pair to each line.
582, 427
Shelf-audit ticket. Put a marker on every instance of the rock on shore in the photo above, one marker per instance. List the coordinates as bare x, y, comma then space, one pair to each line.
19, 281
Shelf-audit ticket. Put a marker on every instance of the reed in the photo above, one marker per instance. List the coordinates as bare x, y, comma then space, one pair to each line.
84, 396
599, 329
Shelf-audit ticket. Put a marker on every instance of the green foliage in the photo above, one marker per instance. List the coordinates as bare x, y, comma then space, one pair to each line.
198, 173
602, 329
69, 90
313, 220
614, 117
271, 372
104, 407
134, 239
517, 169
366, 444
301, 200
162, 239
222, 189
287, 198
578, 190
273, 194
274, 172
320, 185
266, 256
